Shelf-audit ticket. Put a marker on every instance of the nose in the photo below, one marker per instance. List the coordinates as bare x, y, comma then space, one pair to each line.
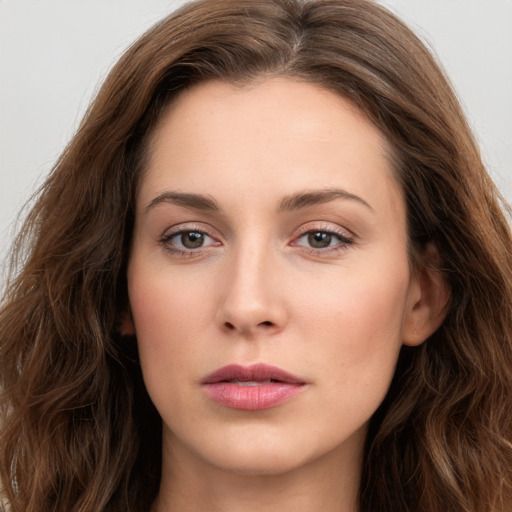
253, 301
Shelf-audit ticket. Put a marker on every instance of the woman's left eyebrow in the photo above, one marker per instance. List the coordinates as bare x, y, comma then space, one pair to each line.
307, 198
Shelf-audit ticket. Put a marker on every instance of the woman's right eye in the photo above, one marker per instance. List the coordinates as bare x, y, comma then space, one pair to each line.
187, 240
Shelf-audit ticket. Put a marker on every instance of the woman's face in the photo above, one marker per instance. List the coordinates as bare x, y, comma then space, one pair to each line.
269, 280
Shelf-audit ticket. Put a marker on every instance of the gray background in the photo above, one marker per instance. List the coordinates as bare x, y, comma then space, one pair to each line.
55, 53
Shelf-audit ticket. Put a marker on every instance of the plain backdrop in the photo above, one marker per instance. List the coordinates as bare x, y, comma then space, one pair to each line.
55, 53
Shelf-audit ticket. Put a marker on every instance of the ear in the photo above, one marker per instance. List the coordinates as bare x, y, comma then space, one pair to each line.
127, 328
428, 298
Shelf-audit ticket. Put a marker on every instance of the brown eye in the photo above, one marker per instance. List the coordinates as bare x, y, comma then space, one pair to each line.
323, 241
187, 241
319, 239
192, 239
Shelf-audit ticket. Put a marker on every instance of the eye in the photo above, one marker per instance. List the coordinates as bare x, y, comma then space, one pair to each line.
319, 239
191, 239
187, 240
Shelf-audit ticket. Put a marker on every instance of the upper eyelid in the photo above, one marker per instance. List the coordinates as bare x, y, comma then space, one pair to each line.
329, 232
322, 226
183, 227
331, 228
174, 234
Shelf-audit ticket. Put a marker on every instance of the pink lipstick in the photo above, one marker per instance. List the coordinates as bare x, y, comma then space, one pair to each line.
251, 388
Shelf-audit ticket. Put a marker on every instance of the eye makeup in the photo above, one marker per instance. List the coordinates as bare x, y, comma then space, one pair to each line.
320, 240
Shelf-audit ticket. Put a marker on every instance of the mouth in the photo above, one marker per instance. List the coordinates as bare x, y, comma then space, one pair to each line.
251, 388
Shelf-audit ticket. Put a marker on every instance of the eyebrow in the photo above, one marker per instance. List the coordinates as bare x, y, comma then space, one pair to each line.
315, 197
292, 202
195, 201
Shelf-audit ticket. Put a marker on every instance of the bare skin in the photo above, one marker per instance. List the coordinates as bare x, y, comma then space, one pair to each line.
270, 229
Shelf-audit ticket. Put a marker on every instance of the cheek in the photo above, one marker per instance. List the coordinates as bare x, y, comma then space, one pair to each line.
165, 300
354, 324
169, 316
355, 342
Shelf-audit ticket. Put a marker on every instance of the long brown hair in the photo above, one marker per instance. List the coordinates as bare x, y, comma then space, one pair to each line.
78, 431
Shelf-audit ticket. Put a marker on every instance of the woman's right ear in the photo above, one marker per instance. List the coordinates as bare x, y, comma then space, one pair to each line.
127, 328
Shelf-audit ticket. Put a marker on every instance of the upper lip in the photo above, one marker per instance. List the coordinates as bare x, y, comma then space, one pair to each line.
255, 372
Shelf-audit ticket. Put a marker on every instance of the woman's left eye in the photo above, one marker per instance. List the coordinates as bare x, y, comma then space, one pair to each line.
322, 239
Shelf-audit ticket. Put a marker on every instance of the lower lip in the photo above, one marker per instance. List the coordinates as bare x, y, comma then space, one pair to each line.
252, 398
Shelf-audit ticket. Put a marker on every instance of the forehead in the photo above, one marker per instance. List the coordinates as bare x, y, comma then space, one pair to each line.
269, 137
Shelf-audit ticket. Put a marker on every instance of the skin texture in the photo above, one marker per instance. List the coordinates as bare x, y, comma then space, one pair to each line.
257, 291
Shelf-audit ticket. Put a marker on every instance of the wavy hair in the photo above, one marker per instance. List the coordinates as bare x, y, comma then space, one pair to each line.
78, 431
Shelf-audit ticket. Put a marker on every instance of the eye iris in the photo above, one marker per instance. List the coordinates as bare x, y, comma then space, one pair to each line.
192, 239
319, 240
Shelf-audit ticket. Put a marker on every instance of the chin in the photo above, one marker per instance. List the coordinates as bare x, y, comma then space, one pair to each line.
258, 462
267, 452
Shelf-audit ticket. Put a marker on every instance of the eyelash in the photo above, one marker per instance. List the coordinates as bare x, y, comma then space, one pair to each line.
343, 241
167, 239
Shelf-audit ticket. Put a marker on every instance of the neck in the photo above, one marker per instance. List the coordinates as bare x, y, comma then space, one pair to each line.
329, 483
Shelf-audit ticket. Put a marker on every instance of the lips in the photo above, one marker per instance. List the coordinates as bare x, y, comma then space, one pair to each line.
251, 388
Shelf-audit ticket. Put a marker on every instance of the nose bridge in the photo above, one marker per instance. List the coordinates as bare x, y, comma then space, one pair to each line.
252, 300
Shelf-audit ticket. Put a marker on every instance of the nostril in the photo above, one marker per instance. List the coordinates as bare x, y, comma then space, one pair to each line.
232, 327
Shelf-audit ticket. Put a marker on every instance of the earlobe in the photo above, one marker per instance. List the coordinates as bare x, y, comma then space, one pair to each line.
427, 310
126, 328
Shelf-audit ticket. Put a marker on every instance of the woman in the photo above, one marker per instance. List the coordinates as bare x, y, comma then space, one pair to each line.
269, 272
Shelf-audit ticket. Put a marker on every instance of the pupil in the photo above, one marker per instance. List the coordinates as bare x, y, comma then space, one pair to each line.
319, 240
192, 239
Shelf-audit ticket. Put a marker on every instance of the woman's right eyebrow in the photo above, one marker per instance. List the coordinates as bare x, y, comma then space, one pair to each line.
188, 200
